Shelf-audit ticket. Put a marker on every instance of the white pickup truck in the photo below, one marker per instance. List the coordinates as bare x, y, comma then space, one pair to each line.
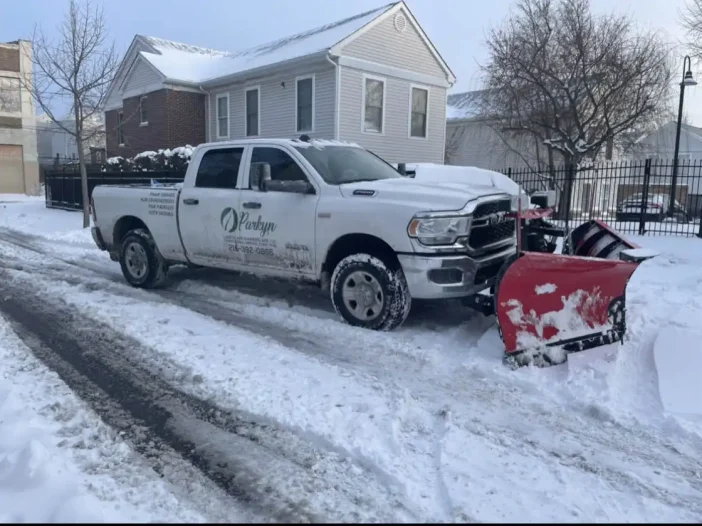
327, 212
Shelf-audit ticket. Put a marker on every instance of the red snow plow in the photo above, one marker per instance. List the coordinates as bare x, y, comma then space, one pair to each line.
549, 305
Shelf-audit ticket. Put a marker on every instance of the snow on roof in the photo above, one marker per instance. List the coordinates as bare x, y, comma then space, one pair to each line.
197, 65
464, 105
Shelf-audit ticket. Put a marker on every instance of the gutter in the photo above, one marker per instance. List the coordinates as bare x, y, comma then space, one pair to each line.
337, 95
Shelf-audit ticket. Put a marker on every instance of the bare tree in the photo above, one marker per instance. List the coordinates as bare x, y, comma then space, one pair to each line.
572, 80
691, 19
78, 67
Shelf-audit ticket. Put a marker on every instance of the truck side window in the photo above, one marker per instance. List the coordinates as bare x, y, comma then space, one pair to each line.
283, 167
219, 168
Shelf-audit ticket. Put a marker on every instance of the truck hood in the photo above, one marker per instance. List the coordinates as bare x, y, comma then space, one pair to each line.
429, 196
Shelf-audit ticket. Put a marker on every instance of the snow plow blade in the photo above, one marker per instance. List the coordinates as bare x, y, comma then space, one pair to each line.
550, 305
596, 239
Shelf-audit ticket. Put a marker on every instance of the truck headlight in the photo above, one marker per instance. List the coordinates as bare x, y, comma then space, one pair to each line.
438, 230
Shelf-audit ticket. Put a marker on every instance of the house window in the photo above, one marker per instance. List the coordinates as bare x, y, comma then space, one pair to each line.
252, 112
223, 116
120, 131
418, 112
142, 111
304, 89
219, 168
373, 105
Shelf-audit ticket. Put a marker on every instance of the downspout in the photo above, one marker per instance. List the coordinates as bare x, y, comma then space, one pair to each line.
337, 96
208, 123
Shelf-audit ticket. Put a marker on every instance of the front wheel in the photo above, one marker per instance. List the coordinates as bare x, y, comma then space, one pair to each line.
141, 262
366, 293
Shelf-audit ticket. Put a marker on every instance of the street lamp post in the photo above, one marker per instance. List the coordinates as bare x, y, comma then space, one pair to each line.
687, 80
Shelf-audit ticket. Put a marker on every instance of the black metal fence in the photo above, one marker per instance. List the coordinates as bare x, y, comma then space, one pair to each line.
62, 188
634, 197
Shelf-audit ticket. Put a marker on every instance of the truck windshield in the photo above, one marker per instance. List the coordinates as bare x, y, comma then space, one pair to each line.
347, 164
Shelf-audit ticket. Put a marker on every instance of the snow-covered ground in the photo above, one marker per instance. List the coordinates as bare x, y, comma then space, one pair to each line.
428, 408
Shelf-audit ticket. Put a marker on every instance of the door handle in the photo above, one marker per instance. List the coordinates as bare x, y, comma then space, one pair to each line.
252, 204
191, 201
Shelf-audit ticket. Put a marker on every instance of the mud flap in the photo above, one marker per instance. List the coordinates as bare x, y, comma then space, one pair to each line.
549, 305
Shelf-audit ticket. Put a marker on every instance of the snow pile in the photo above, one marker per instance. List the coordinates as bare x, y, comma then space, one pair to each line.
36, 483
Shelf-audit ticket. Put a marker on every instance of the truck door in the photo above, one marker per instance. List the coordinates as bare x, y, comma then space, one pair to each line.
277, 228
208, 210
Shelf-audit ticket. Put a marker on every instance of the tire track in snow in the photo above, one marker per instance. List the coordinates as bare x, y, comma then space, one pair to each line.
629, 445
271, 470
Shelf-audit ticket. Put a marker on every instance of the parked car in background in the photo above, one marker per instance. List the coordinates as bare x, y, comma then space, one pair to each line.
657, 208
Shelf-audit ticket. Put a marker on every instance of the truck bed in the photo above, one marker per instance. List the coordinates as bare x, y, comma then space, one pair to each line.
120, 207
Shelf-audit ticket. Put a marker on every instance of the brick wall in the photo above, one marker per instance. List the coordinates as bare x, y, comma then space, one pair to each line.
187, 121
175, 118
9, 59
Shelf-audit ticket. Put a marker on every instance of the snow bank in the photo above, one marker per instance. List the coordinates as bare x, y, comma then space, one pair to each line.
29, 214
60, 463
36, 482
678, 356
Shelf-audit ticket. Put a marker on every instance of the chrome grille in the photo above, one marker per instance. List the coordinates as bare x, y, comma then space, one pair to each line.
490, 226
491, 207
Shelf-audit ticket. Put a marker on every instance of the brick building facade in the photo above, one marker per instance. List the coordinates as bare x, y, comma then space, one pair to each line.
172, 118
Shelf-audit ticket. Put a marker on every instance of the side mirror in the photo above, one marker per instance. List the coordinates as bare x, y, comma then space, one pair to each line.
292, 187
260, 175
543, 198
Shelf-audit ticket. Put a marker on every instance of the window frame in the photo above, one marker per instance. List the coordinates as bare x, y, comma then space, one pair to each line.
297, 102
426, 114
384, 81
258, 111
218, 117
297, 159
242, 162
142, 122
120, 128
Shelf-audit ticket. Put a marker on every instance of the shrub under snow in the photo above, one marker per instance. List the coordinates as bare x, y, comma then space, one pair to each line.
176, 159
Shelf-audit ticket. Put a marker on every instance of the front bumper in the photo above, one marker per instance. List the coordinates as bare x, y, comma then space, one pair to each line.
451, 276
97, 237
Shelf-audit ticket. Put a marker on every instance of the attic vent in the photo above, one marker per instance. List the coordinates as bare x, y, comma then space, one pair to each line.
400, 22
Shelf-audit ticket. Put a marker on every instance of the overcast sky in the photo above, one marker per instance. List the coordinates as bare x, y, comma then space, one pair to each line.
457, 27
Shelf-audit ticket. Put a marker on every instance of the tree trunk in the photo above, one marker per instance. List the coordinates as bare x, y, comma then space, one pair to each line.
81, 162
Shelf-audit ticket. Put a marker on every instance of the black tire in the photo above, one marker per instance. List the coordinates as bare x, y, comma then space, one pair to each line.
394, 303
136, 244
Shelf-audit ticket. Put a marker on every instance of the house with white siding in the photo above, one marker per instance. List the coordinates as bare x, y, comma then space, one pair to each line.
375, 79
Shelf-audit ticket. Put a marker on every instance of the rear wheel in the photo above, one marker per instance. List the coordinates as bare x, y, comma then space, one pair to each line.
366, 293
141, 262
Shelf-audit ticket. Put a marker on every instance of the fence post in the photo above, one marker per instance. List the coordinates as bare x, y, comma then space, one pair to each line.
644, 197
509, 173
570, 180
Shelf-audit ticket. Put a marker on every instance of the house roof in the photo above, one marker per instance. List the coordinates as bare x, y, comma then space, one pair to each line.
464, 106
193, 64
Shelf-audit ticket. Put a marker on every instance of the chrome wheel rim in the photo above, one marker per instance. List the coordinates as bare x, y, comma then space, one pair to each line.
136, 260
363, 296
